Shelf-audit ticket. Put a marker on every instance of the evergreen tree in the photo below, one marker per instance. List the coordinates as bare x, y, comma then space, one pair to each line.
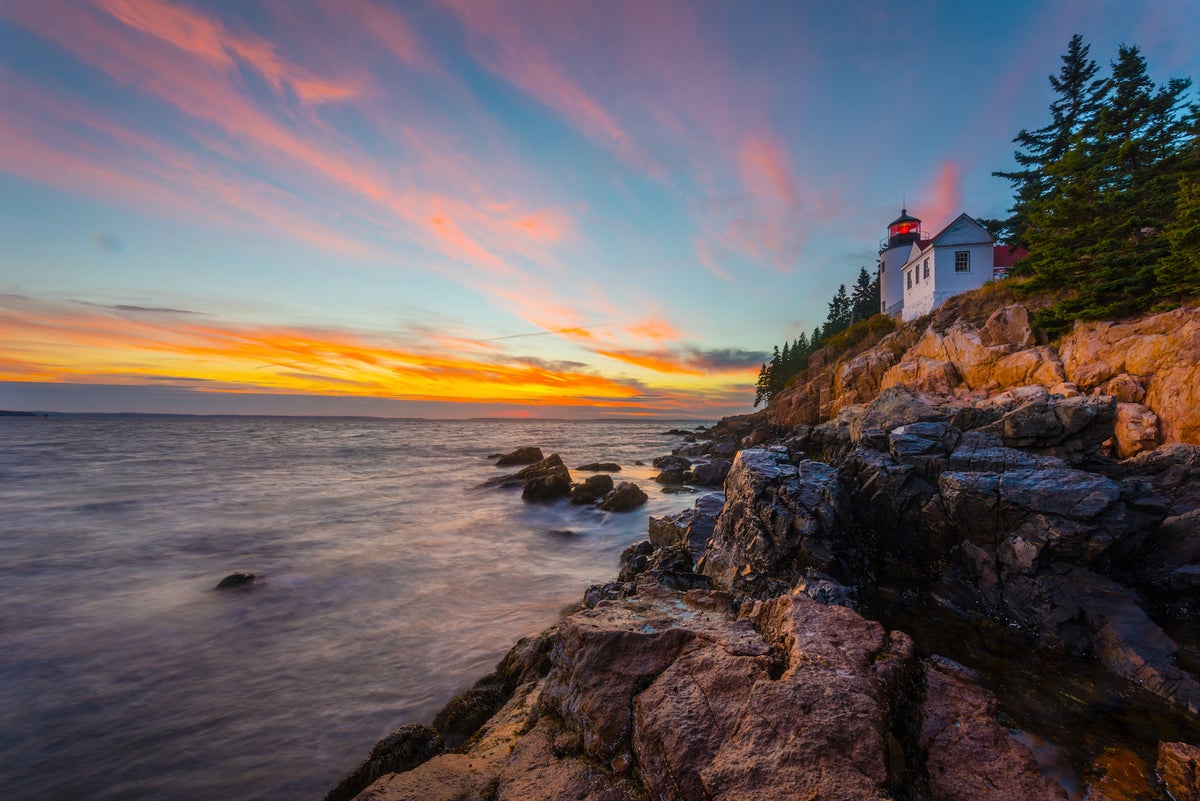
864, 298
1178, 274
839, 313
1100, 231
1079, 96
762, 386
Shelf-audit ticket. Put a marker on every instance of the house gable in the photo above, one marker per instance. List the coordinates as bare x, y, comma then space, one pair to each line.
962, 231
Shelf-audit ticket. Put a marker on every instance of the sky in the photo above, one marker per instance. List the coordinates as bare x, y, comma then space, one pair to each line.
466, 208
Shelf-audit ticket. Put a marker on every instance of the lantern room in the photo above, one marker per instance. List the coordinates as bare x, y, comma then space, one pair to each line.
903, 230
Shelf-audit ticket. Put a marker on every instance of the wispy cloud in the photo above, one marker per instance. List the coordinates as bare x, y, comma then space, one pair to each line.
941, 200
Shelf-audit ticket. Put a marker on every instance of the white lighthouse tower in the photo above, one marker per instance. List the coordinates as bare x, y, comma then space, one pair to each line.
893, 253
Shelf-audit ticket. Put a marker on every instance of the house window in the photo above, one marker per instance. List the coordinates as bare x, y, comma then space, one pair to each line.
916, 275
962, 261
909, 276
927, 269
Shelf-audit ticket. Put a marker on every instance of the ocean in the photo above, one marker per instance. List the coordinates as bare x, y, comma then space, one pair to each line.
391, 581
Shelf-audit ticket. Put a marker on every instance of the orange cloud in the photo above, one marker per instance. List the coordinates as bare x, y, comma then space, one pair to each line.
660, 361
658, 330
91, 344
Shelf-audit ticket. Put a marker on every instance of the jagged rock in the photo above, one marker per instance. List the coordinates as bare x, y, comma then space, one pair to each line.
470, 776
969, 754
1034, 366
1179, 767
600, 467
1008, 326
545, 481
1032, 515
591, 490
539, 769
1135, 429
777, 519
626, 497
924, 375
709, 474
529, 455
671, 529
672, 476
404, 749
1165, 348
672, 462
1076, 610
1124, 387
894, 407
1076, 427
240, 578
859, 379
468, 711
1122, 776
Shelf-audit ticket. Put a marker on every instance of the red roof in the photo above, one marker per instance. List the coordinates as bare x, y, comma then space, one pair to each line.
1004, 256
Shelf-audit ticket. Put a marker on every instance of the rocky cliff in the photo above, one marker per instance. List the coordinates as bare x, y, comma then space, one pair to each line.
962, 563
1150, 366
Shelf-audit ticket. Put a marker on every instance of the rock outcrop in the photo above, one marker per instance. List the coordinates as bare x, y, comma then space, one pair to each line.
972, 472
1152, 363
689, 695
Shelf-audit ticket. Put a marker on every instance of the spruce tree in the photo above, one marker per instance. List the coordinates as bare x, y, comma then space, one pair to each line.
864, 298
839, 313
1100, 233
763, 385
1177, 275
1079, 96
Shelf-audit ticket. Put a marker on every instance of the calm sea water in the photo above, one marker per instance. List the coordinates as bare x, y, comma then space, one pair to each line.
391, 582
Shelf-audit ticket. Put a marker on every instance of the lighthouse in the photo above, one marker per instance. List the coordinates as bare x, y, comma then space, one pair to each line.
893, 253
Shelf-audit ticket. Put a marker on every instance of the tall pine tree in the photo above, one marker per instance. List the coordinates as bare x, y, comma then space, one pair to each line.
864, 297
1078, 97
1100, 231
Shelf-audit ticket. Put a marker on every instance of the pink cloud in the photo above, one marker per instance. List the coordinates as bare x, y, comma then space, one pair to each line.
518, 47
184, 59
385, 25
766, 170
941, 199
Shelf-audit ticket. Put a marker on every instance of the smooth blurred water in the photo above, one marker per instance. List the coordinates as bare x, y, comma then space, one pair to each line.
392, 581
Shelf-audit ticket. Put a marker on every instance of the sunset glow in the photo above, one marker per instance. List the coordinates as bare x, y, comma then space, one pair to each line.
493, 207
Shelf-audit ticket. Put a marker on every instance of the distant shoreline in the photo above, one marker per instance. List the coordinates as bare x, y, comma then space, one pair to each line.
665, 420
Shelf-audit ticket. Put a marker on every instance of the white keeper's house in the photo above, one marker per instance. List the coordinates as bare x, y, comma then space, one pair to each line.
916, 274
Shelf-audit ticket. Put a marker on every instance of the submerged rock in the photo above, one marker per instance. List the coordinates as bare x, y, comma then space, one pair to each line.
600, 467
527, 455
240, 578
625, 498
709, 474
969, 754
545, 481
591, 490
1179, 767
